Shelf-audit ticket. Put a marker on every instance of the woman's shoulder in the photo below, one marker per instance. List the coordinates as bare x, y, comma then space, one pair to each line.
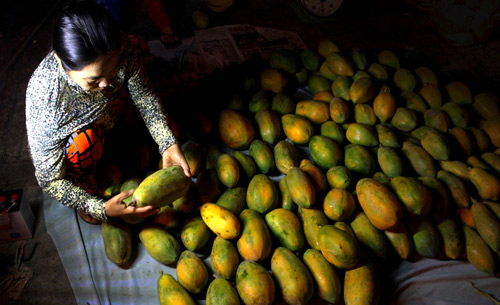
47, 69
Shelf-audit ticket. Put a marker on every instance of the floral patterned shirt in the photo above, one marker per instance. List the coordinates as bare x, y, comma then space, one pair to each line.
56, 107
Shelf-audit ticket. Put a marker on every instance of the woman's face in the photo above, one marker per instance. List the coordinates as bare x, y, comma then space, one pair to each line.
97, 75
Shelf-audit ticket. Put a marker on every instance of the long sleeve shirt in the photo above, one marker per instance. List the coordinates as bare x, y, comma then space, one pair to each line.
56, 107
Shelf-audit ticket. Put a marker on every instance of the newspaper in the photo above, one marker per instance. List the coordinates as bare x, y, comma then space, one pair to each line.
219, 47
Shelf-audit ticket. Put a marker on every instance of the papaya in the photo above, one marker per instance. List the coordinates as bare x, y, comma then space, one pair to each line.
338, 204
195, 233
161, 188
492, 159
285, 226
324, 151
456, 167
254, 284
310, 59
425, 236
364, 113
208, 186
262, 155
131, 184
382, 178
317, 83
282, 103
414, 195
379, 71
486, 105
400, 239
339, 64
404, 119
339, 110
334, 131
414, 102
285, 156
379, 203
324, 96
212, 155
492, 128
160, 244
387, 136
404, 80
109, 180
417, 134
494, 207
486, 184
431, 95
384, 104
284, 59
426, 75
478, 253
465, 215
452, 236
228, 170
293, 277
168, 217
117, 242
390, 161
480, 139
254, 243
329, 286
235, 129
326, 47
420, 160
459, 92
269, 125
436, 144
341, 87
194, 156
457, 188
325, 71
458, 115
233, 199
301, 187
224, 259
312, 220
297, 128
368, 235
220, 220
362, 90
318, 178
286, 197
192, 273
463, 140
474, 161
260, 100
358, 159
437, 119
247, 165
388, 58
362, 285
186, 203
359, 58
339, 177
220, 292
317, 112
362, 134
440, 198
487, 224
170, 291
262, 194
338, 247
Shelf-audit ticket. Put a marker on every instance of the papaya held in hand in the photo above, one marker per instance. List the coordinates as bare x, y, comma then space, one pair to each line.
161, 188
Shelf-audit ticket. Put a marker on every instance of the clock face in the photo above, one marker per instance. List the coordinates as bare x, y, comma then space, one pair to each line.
321, 8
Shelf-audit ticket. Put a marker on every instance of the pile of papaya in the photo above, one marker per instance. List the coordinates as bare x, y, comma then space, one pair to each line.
300, 196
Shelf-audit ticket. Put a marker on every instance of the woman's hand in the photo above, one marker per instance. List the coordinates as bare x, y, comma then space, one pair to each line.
173, 155
115, 207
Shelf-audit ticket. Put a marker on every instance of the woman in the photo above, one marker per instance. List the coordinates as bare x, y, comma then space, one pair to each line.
76, 96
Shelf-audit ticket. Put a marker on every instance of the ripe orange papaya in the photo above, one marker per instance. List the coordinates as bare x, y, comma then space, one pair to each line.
191, 272
316, 111
254, 243
338, 204
254, 284
301, 187
235, 130
220, 220
384, 104
297, 128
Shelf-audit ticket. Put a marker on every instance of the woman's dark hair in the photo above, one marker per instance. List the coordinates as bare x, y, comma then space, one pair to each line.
84, 31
